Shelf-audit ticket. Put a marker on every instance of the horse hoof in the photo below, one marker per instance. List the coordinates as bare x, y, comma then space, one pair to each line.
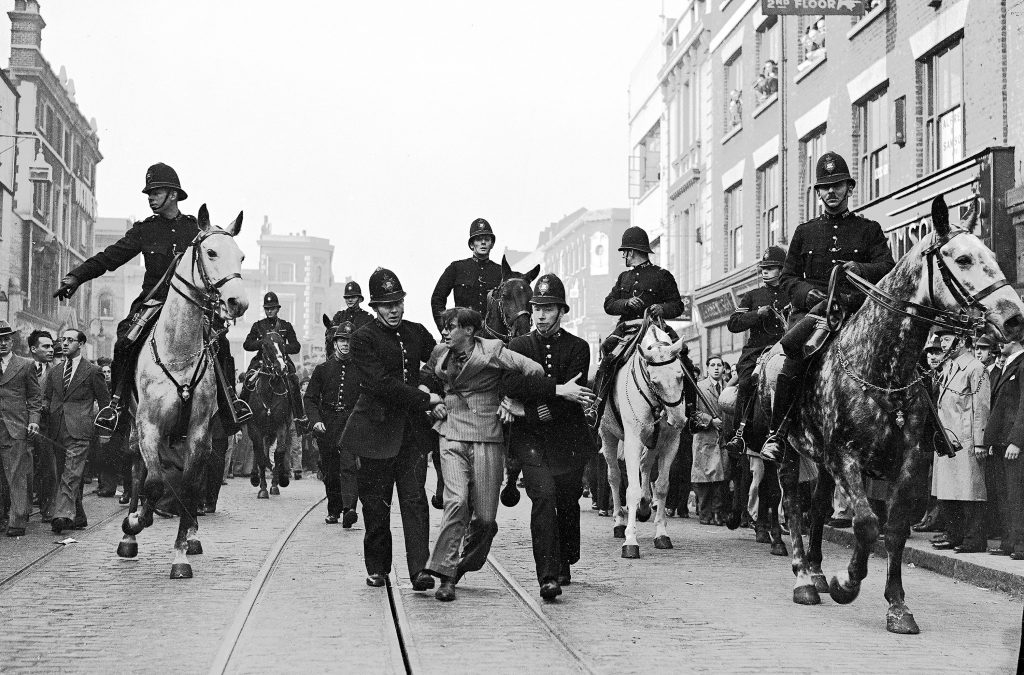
254, 479
630, 551
619, 531
274, 490
820, 583
662, 542
128, 549
733, 521
643, 512
779, 548
195, 547
283, 479
262, 494
127, 528
181, 571
510, 495
900, 620
806, 595
841, 593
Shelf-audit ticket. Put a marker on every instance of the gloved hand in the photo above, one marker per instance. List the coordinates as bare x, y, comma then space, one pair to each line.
68, 286
764, 311
852, 266
656, 311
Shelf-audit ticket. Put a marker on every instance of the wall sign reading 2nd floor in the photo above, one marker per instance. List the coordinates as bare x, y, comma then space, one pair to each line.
847, 7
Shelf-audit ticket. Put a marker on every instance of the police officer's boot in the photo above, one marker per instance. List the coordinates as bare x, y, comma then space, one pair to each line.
736, 445
786, 390
298, 411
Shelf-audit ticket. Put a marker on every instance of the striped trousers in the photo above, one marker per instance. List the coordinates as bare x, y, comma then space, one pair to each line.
472, 483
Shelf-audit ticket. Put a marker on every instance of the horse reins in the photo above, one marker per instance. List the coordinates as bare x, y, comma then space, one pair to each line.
496, 297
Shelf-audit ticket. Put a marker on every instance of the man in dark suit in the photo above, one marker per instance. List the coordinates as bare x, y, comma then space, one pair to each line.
552, 441
19, 414
1005, 436
44, 464
330, 397
383, 430
69, 394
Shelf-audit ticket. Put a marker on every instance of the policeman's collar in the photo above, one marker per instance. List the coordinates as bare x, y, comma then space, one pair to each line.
387, 326
646, 263
845, 213
344, 358
480, 259
547, 337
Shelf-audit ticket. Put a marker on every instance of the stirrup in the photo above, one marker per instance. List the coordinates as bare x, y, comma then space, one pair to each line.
736, 445
241, 411
109, 417
590, 414
772, 450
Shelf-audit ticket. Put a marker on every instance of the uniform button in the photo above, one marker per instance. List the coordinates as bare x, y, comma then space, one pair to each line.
833, 261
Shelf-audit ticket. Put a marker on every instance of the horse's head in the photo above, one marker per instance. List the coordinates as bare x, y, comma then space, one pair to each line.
272, 349
664, 370
217, 261
508, 306
962, 274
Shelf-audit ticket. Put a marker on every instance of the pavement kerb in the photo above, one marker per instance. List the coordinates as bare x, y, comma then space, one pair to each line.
967, 570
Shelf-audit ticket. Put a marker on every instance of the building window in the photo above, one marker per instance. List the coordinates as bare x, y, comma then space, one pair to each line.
811, 148
721, 341
734, 223
646, 169
766, 84
734, 92
873, 119
943, 105
106, 305
812, 42
768, 204
286, 272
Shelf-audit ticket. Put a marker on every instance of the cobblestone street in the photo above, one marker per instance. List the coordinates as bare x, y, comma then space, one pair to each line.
717, 602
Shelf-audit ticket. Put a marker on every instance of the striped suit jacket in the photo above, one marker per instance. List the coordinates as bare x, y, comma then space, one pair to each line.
472, 396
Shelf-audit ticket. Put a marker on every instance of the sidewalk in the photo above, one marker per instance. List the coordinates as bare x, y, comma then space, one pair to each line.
995, 572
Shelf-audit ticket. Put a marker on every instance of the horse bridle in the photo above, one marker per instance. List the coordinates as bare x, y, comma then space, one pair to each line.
208, 296
504, 337
645, 365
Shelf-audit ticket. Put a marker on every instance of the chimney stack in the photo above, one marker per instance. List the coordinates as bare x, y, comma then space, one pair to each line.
26, 33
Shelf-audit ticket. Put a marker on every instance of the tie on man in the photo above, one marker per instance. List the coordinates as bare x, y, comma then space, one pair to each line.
67, 375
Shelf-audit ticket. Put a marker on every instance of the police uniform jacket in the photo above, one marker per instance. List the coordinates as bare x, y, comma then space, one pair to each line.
826, 242
388, 360
156, 238
554, 430
471, 279
267, 325
331, 396
764, 330
357, 315
652, 284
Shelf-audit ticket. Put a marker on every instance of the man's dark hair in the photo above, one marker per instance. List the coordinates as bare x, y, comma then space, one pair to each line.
34, 336
712, 358
81, 335
104, 361
464, 318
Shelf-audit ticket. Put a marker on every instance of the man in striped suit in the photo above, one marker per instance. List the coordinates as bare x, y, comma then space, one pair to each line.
472, 459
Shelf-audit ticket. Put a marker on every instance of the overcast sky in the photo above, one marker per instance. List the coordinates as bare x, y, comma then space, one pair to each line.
385, 126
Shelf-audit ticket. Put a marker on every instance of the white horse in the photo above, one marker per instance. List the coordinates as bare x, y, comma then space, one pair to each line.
175, 380
647, 390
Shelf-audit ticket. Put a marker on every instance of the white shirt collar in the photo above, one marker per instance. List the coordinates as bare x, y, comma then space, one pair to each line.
1011, 358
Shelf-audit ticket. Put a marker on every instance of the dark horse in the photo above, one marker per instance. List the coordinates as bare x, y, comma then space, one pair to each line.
268, 397
863, 408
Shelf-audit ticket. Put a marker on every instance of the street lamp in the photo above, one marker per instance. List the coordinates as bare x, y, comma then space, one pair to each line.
39, 171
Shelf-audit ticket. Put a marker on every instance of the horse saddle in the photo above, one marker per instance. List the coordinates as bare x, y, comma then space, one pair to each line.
143, 319
627, 344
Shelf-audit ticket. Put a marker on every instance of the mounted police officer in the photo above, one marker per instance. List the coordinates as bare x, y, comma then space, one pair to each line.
760, 312
352, 313
330, 398
836, 238
472, 278
160, 239
644, 286
272, 323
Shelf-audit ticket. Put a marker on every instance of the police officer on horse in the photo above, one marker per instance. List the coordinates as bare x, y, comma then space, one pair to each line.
352, 313
472, 278
272, 323
643, 287
835, 239
161, 239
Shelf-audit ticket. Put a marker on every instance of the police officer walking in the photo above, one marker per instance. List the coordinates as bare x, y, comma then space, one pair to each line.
472, 278
385, 427
760, 312
159, 238
552, 441
330, 397
272, 323
836, 238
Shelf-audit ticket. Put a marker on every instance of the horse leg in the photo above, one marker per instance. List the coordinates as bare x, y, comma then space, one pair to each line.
821, 507
633, 448
647, 459
260, 462
196, 461
909, 498
769, 497
845, 586
804, 592
130, 526
665, 459
610, 448
148, 479
180, 566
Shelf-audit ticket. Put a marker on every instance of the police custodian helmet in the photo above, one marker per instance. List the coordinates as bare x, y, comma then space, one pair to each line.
831, 169
352, 290
549, 290
162, 176
480, 228
635, 238
343, 331
270, 300
773, 256
385, 287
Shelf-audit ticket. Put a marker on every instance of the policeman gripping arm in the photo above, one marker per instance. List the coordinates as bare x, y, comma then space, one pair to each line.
745, 317
439, 298
107, 260
375, 380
